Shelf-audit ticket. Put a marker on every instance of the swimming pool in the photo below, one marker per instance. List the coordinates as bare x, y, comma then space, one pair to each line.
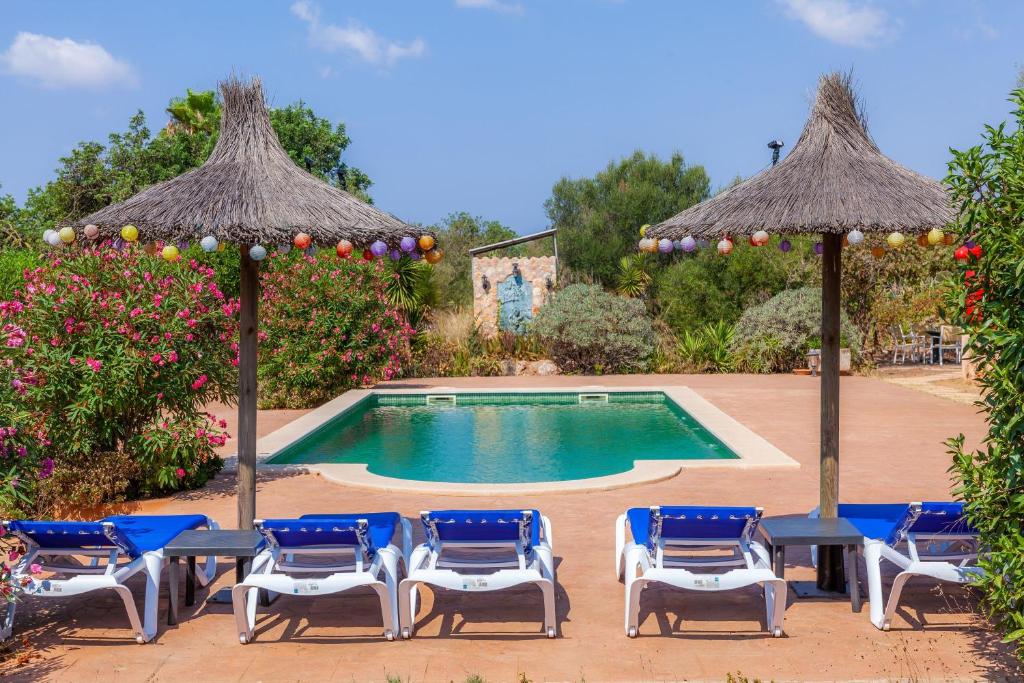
506, 437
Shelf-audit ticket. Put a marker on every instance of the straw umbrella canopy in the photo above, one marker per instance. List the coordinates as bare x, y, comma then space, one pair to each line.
835, 181
249, 192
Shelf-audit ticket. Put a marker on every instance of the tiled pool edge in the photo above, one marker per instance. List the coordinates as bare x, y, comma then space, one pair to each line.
754, 451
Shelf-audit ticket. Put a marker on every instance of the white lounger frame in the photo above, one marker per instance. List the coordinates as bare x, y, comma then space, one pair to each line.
639, 567
429, 566
107, 568
947, 557
283, 570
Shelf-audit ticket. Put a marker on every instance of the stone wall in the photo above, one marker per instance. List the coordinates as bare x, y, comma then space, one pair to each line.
535, 272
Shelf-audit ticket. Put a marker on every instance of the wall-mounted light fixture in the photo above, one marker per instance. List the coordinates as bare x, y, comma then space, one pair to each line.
548, 283
485, 283
515, 271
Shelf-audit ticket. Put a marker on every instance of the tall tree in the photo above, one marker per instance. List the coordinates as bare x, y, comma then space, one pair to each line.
598, 218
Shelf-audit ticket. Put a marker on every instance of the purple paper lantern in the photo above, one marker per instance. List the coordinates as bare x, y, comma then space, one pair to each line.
665, 245
118, 243
408, 244
183, 245
785, 246
819, 248
969, 244
689, 245
415, 255
396, 254
378, 248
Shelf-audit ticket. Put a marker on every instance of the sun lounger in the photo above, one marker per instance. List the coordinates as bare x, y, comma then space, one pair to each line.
481, 550
668, 542
79, 557
925, 539
324, 554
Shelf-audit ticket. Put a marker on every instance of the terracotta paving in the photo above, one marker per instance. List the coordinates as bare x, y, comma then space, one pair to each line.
892, 450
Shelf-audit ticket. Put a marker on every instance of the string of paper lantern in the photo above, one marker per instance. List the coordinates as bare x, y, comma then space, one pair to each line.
414, 248
894, 240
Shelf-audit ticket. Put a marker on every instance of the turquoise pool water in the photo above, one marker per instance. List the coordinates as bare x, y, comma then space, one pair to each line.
507, 438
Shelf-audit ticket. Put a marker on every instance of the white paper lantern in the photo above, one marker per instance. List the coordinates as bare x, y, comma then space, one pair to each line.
208, 243
855, 237
257, 252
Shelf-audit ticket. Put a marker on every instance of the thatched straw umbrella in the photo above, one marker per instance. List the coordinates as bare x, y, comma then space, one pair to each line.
833, 182
249, 192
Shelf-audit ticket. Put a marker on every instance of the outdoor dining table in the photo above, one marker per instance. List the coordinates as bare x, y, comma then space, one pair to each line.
779, 532
241, 544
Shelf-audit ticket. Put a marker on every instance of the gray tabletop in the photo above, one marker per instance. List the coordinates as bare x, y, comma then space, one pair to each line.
810, 531
223, 542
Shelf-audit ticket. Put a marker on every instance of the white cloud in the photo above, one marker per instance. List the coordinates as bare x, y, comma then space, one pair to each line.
493, 5
841, 21
63, 62
355, 38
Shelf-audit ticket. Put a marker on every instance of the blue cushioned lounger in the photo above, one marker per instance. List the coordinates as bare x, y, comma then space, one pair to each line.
938, 540
496, 549
323, 554
641, 558
117, 548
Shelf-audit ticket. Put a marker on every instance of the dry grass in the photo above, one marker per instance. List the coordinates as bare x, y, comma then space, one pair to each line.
454, 327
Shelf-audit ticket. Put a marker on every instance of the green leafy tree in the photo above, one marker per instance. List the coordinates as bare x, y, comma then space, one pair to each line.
599, 218
987, 298
707, 287
314, 144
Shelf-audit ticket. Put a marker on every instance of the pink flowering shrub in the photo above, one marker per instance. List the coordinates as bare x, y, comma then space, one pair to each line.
115, 353
326, 326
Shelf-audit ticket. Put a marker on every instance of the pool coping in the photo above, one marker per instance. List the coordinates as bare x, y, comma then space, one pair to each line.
754, 451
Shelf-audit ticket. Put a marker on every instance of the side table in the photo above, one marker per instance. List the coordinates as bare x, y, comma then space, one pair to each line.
779, 532
241, 544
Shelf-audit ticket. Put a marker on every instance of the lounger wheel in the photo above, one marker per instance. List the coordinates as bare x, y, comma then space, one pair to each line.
141, 640
551, 632
243, 639
389, 635
777, 632
406, 633
632, 632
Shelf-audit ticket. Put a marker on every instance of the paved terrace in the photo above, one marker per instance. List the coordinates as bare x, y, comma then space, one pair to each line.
892, 450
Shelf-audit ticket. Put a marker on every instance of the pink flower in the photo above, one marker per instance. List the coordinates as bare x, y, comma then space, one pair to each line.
94, 364
181, 473
13, 556
135, 312
200, 381
36, 568
156, 358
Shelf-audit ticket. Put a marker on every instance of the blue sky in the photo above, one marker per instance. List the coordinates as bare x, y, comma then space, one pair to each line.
481, 105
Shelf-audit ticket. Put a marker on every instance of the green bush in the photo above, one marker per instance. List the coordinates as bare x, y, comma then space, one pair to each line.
776, 335
13, 264
987, 299
589, 330
708, 348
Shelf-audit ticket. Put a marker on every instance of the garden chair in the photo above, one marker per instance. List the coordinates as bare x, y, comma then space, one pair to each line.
668, 543
86, 556
922, 539
323, 554
481, 550
905, 343
948, 340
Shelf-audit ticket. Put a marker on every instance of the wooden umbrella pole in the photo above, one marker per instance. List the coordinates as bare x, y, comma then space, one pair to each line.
830, 558
247, 330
